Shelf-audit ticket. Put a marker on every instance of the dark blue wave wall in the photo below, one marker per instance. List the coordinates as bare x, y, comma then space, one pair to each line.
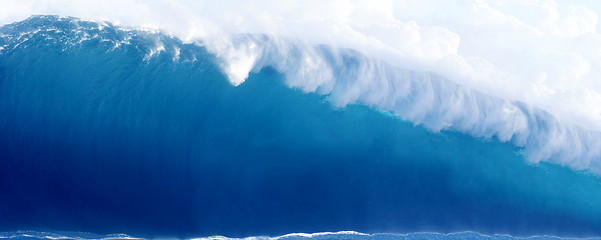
95, 138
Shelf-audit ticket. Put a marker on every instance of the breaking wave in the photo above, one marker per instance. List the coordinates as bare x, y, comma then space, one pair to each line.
526, 73
425, 98
113, 129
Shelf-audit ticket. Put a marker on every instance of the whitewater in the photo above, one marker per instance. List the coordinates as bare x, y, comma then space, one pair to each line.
329, 120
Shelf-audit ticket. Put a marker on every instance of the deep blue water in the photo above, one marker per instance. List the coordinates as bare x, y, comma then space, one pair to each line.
107, 139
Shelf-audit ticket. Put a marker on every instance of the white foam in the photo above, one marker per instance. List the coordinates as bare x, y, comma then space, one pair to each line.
497, 63
63, 235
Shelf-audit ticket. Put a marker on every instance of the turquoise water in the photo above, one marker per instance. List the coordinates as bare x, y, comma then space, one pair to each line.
99, 135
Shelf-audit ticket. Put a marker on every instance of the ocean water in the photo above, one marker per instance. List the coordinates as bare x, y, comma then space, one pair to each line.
115, 131
343, 235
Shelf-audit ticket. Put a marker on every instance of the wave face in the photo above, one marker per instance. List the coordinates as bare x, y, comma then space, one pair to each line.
110, 130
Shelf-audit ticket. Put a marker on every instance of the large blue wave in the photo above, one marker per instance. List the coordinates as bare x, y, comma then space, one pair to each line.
111, 130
